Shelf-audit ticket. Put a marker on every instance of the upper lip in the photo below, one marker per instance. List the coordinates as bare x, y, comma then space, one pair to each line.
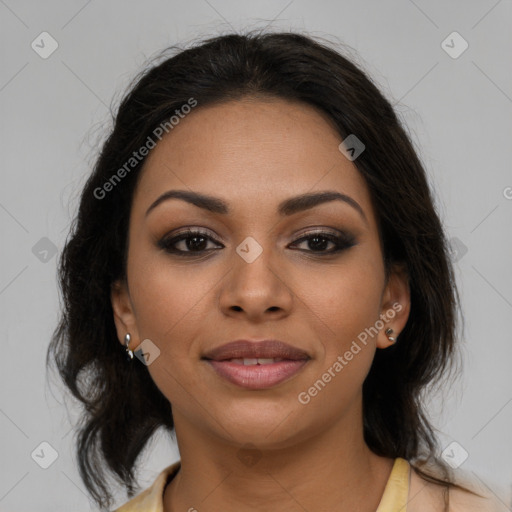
264, 349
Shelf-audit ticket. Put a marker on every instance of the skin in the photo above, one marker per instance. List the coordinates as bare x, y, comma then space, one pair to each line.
253, 154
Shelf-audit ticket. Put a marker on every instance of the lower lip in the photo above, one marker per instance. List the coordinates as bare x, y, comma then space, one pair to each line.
257, 376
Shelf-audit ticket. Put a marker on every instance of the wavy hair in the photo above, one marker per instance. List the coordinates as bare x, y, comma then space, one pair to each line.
122, 406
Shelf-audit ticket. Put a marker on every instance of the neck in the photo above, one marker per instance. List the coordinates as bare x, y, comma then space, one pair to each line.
333, 470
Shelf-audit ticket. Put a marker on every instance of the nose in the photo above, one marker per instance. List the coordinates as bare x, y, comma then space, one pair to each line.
258, 290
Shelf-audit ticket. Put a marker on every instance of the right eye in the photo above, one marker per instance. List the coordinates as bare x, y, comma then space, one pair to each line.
193, 242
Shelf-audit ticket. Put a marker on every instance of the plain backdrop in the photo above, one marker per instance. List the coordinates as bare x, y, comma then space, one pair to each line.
55, 112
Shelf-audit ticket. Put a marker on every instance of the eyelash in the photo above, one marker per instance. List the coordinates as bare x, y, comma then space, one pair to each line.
343, 242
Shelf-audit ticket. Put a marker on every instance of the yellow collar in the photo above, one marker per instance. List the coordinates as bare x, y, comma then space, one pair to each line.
394, 498
396, 492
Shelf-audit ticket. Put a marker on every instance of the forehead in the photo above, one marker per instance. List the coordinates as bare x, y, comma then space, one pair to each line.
252, 152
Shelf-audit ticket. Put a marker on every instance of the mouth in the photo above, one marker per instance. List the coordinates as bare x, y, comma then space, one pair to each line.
250, 361
256, 365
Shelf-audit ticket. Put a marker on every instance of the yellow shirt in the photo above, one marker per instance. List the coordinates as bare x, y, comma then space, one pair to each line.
394, 498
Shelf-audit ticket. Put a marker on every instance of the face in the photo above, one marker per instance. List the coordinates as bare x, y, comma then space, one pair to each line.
257, 267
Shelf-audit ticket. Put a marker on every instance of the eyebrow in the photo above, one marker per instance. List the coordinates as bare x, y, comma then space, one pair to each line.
286, 208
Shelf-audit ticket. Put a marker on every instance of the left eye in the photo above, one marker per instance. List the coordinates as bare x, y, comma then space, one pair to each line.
318, 240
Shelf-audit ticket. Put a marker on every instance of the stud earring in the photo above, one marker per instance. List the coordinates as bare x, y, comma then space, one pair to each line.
389, 332
129, 352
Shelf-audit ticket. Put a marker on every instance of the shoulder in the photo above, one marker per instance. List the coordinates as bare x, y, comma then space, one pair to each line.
425, 496
464, 501
151, 499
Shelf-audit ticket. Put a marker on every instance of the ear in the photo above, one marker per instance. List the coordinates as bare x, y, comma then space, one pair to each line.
396, 305
124, 315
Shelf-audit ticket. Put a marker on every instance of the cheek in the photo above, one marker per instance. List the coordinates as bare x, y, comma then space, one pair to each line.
168, 297
343, 300
169, 302
168, 312
343, 312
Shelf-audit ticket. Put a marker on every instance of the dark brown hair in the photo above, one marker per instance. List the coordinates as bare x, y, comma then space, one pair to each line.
122, 407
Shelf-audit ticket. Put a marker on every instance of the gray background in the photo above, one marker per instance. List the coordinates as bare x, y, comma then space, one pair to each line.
54, 113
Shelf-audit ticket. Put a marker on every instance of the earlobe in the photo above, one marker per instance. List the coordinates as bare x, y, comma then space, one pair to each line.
396, 305
124, 317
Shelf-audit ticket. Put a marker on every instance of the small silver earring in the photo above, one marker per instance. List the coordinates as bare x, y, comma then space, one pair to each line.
127, 339
389, 332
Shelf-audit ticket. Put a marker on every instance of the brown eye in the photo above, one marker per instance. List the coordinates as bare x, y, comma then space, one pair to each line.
195, 243
191, 242
318, 241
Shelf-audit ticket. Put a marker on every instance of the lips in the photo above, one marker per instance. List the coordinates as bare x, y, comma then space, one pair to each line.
266, 349
256, 365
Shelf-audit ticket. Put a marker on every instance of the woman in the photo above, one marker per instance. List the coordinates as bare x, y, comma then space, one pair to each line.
257, 265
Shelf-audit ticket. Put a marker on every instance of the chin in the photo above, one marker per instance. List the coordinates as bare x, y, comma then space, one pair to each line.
264, 425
